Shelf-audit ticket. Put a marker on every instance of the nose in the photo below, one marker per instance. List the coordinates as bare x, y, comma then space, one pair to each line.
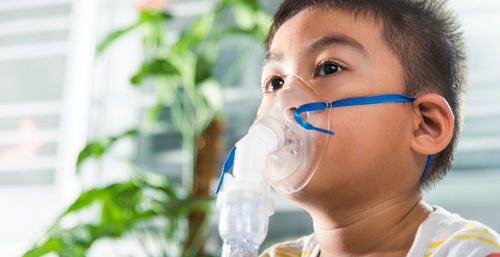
290, 112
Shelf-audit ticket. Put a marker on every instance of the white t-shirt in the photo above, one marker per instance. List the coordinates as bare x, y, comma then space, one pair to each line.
442, 234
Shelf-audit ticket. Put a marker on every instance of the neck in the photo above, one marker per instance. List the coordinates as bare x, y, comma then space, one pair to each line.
386, 228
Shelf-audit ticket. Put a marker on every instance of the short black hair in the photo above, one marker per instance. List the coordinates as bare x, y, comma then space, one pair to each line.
426, 38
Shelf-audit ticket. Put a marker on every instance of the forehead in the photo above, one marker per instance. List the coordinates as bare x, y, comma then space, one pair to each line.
300, 31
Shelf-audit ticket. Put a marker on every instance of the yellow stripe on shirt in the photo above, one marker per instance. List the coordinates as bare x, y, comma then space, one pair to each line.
480, 230
287, 243
264, 254
280, 254
480, 238
288, 251
436, 244
477, 230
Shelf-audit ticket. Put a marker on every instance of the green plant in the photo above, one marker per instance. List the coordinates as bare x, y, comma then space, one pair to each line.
181, 71
121, 208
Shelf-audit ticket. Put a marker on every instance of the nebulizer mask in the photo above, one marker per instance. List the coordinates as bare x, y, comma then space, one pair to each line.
283, 148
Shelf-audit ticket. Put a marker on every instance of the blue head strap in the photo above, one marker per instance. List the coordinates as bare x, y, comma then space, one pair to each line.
317, 106
228, 163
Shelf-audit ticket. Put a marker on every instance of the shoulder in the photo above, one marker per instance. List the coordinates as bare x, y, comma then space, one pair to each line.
447, 234
302, 247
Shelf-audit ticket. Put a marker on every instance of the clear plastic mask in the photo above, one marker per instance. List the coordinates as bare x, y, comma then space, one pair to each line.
294, 163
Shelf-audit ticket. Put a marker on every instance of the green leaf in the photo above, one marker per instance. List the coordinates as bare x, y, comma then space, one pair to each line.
203, 25
124, 193
127, 133
98, 147
95, 148
115, 35
149, 15
81, 235
155, 67
52, 244
251, 19
197, 33
155, 111
87, 198
160, 182
77, 251
154, 14
203, 70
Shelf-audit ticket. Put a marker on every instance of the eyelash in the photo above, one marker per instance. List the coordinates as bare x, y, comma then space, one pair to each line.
321, 64
269, 80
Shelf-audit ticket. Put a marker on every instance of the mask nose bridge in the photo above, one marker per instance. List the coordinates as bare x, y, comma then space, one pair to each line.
295, 82
290, 94
298, 90
295, 92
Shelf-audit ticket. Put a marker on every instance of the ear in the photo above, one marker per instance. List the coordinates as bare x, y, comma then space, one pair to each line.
433, 124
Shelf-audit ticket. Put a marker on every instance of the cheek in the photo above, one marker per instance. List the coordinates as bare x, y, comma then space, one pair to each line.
366, 136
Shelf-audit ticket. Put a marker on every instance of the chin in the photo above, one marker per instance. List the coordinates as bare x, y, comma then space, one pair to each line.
301, 197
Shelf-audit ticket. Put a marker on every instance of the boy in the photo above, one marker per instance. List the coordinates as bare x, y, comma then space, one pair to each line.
365, 197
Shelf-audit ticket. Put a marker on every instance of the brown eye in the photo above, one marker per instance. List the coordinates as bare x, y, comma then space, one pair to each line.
273, 84
327, 68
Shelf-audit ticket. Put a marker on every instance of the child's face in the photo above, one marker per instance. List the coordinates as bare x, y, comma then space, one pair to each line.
369, 156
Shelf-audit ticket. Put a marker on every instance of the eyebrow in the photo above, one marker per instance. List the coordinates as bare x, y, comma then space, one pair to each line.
335, 39
322, 42
272, 57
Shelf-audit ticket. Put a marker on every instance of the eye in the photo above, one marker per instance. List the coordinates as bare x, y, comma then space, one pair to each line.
327, 68
273, 84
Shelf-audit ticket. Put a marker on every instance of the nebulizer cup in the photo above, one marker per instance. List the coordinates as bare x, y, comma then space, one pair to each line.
276, 151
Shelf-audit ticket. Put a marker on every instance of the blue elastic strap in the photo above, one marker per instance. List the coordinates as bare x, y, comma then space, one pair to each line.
427, 166
316, 106
228, 163
308, 108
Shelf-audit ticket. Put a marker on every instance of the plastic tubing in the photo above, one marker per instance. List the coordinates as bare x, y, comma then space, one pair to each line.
245, 202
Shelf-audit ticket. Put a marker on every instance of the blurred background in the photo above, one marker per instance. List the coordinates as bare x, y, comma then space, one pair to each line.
147, 97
